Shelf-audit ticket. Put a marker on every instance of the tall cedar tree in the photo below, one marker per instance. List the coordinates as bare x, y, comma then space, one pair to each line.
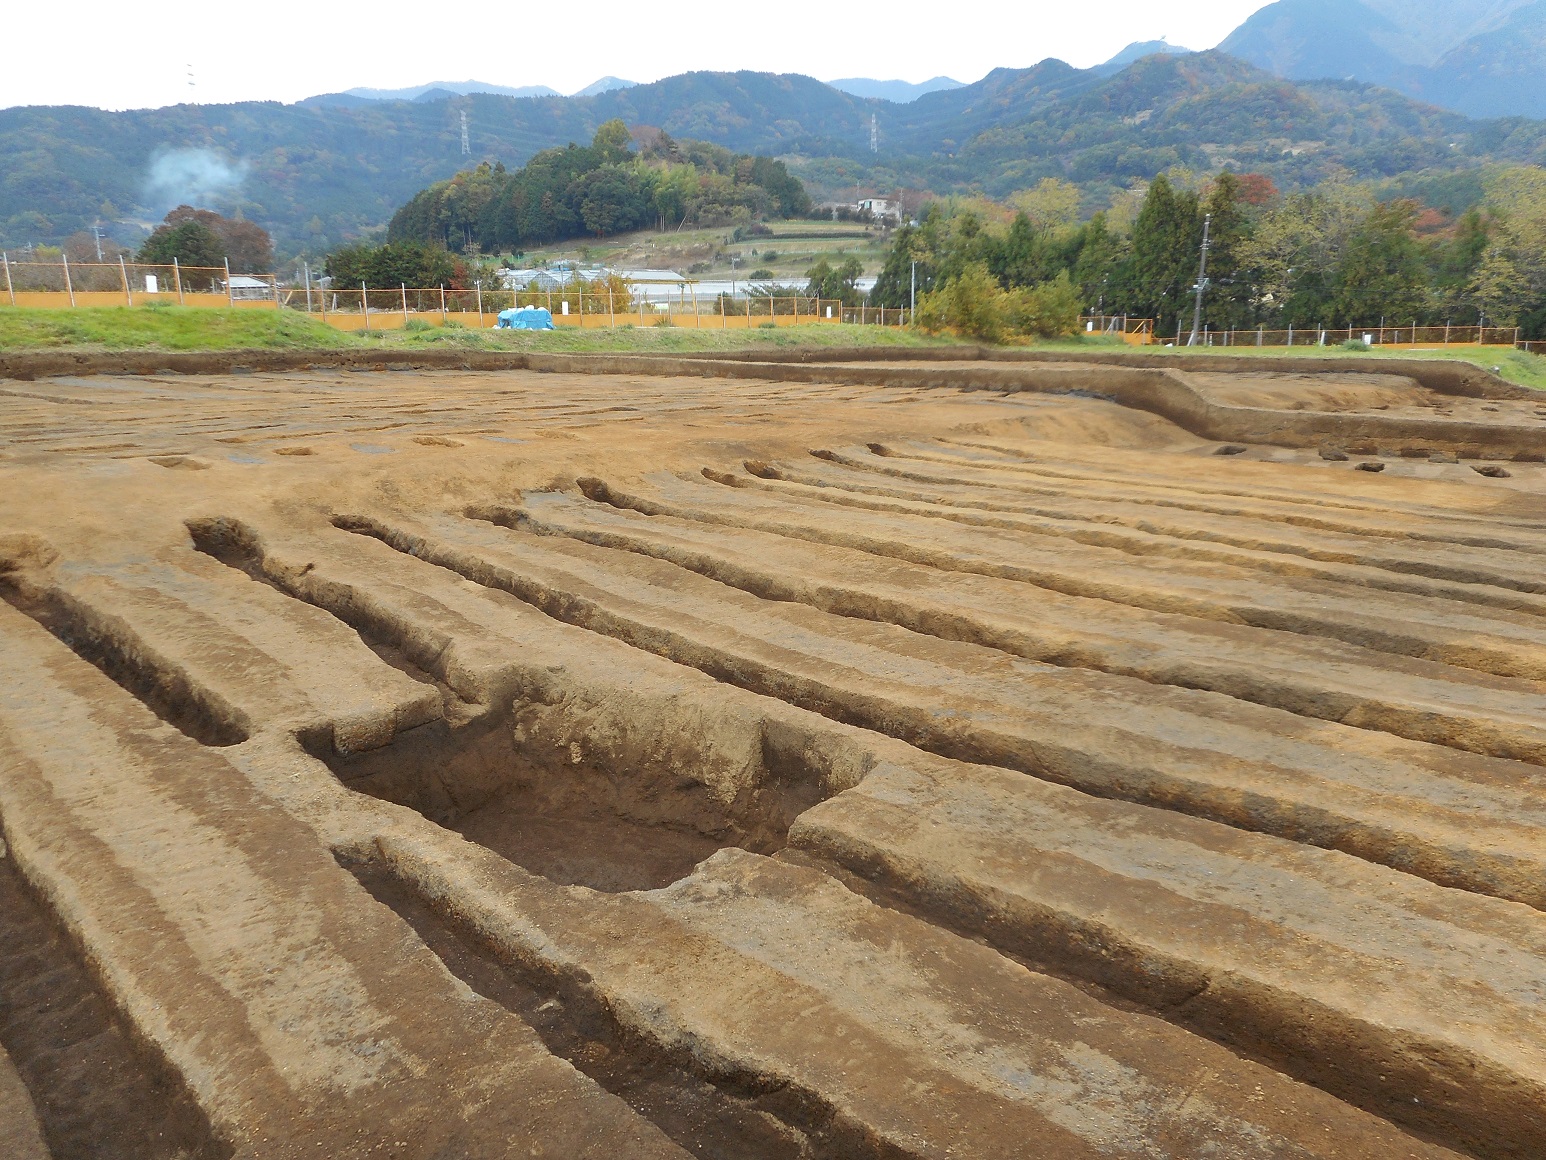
1167, 238
1228, 301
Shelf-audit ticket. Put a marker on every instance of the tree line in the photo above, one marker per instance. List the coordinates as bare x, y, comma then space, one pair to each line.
1335, 255
597, 190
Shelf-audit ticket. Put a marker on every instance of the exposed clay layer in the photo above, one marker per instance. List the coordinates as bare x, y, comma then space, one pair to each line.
1417, 699
1229, 934
74, 1084
887, 1007
1159, 386
428, 763
18, 1118
709, 1121
1413, 805
1438, 625
263, 996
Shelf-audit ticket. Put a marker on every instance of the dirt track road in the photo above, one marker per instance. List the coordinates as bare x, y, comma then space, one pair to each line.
873, 760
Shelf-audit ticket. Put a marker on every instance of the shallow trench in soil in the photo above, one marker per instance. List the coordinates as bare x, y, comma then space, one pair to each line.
570, 825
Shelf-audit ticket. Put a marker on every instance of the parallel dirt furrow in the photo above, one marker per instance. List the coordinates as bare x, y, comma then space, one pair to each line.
1317, 678
1450, 816
763, 758
1485, 632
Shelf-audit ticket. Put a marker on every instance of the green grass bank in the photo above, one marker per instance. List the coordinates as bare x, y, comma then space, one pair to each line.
174, 328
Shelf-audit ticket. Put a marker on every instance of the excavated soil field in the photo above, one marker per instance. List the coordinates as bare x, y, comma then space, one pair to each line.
961, 756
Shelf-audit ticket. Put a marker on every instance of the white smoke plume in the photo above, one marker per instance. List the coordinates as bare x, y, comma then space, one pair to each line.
196, 177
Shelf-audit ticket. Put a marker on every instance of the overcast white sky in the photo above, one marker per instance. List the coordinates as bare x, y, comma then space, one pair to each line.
116, 55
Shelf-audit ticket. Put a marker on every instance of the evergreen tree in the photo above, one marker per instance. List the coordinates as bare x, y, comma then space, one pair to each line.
1158, 277
191, 243
1227, 303
894, 284
1095, 267
1017, 260
390, 266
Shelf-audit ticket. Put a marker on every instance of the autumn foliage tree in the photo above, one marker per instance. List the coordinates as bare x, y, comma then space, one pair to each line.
201, 237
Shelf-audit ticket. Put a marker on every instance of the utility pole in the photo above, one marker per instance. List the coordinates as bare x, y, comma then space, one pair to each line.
1202, 280
96, 232
912, 292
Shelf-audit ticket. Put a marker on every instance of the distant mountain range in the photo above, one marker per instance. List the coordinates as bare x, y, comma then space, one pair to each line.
604, 85
1484, 58
445, 90
319, 173
901, 92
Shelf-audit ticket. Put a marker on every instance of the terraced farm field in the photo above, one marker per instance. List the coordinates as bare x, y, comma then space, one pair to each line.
628, 758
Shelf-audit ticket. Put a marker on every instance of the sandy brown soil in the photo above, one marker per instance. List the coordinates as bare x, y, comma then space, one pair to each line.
919, 759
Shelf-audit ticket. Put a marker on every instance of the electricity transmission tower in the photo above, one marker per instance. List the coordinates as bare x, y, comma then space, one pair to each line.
466, 145
874, 135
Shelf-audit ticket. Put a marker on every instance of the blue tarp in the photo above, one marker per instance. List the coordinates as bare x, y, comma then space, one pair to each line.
525, 318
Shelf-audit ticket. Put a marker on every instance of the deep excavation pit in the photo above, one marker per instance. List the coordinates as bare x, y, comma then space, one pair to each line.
571, 818
563, 804
574, 825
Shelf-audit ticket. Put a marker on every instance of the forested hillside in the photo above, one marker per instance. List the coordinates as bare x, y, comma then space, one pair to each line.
604, 188
318, 176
